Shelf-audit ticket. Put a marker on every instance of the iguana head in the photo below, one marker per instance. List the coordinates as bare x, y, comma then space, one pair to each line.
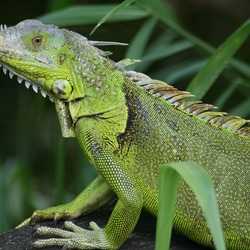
37, 54
63, 65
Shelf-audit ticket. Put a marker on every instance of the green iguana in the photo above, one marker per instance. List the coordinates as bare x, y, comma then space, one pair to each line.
128, 125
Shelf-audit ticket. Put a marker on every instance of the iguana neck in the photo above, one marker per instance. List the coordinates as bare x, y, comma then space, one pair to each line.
99, 92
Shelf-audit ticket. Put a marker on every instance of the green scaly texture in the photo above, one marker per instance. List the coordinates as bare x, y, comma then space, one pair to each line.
128, 125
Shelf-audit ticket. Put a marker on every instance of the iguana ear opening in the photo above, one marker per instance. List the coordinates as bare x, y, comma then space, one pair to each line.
62, 88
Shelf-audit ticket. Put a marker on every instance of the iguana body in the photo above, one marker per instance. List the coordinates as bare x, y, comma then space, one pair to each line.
128, 125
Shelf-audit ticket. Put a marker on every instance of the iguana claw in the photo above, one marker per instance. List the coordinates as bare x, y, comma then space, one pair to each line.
65, 247
55, 219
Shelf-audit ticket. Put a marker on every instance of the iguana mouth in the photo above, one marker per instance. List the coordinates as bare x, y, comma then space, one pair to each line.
7, 70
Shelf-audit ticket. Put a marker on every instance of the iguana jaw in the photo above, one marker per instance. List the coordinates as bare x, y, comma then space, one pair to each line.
8, 70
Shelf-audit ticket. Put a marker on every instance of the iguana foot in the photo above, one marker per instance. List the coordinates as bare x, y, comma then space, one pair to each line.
66, 211
74, 237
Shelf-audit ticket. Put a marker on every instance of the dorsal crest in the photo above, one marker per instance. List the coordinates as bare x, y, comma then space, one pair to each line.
193, 107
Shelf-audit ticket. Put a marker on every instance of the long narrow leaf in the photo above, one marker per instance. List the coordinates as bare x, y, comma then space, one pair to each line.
160, 9
167, 50
163, 51
241, 109
119, 7
139, 42
166, 209
206, 77
225, 95
199, 181
90, 14
184, 69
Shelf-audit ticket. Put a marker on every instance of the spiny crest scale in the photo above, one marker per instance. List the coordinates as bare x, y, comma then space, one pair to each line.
193, 107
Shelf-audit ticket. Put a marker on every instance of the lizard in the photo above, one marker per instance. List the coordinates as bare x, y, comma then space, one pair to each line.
128, 125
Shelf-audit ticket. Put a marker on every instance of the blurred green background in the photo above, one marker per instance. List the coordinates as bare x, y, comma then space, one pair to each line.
37, 167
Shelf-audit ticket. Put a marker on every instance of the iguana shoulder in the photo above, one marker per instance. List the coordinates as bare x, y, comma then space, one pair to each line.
195, 108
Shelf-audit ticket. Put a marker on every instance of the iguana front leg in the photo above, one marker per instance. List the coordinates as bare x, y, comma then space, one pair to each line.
95, 195
126, 212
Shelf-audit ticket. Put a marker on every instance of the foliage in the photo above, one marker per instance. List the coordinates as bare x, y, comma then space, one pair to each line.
200, 183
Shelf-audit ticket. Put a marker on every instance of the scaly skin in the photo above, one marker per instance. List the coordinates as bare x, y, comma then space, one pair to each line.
127, 130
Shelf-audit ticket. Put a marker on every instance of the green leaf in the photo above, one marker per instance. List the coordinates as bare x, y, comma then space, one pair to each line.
163, 12
121, 6
166, 50
90, 14
179, 71
241, 67
139, 42
199, 181
241, 109
206, 77
162, 51
226, 94
166, 209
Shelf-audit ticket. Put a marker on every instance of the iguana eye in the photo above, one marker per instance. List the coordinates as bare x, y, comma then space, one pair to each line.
37, 40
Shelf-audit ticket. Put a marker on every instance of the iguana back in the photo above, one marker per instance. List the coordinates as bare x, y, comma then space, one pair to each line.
163, 132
